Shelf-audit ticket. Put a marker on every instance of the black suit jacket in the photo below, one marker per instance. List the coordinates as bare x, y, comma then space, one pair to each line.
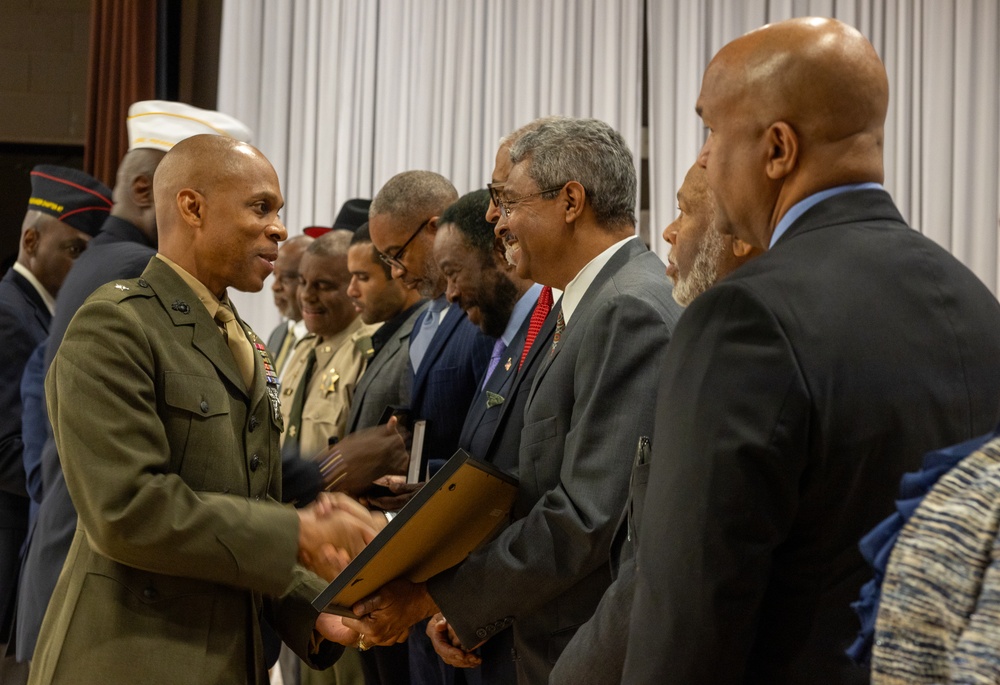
24, 323
794, 395
493, 433
449, 377
119, 251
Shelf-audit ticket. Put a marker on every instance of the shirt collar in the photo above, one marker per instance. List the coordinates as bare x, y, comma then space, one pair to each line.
802, 206
50, 302
577, 288
205, 296
520, 312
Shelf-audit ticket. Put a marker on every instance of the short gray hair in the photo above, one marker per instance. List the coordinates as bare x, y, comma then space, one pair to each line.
333, 243
589, 152
414, 194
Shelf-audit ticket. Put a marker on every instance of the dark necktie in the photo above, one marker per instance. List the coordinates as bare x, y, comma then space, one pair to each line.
298, 403
557, 333
537, 319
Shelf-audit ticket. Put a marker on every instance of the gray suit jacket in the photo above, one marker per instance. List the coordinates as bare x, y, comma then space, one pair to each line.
591, 400
387, 380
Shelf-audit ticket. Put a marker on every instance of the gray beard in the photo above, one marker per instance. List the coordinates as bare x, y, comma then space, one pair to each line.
705, 269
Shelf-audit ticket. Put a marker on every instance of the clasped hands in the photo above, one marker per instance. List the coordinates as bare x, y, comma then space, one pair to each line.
332, 531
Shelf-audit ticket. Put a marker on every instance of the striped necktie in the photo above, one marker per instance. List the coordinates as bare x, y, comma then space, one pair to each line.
537, 319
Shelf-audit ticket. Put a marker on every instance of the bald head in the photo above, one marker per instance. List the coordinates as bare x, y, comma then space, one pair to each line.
217, 203
820, 75
804, 103
133, 193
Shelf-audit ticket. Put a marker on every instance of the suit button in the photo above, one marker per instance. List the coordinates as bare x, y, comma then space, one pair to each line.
481, 633
142, 283
204, 407
253, 423
149, 593
254, 462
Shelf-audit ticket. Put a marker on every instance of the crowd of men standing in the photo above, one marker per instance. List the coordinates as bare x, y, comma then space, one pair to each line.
699, 446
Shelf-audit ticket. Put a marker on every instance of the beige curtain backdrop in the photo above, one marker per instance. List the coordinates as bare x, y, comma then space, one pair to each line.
342, 94
942, 146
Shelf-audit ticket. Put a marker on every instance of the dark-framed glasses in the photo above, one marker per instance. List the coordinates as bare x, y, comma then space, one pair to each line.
396, 258
507, 205
495, 189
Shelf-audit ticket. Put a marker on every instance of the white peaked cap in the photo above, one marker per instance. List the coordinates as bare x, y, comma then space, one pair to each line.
160, 124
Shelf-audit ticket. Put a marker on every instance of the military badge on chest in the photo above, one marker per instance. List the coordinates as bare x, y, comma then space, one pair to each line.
328, 383
271, 377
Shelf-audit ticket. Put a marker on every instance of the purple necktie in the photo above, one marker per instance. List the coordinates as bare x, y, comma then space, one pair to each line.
498, 348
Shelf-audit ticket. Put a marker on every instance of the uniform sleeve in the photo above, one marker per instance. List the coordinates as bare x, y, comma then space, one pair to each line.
120, 467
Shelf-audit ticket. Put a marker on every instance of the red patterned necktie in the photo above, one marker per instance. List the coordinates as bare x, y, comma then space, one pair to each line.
536, 321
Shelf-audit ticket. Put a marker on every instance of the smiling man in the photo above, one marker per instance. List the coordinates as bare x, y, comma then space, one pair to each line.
165, 416
319, 383
568, 207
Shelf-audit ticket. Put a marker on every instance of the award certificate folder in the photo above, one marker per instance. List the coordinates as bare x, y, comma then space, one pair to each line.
462, 506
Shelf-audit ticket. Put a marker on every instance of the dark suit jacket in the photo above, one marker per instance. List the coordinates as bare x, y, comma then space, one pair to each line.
493, 434
547, 571
794, 395
119, 251
175, 471
277, 337
449, 377
387, 378
24, 323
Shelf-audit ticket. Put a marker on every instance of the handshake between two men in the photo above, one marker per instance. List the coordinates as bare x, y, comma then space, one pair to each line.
335, 527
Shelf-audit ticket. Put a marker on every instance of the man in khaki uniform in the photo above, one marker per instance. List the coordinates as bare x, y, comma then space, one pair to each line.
321, 376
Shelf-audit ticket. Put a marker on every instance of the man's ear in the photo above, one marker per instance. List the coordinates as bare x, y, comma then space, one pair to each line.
191, 205
142, 191
432, 226
576, 198
783, 150
29, 241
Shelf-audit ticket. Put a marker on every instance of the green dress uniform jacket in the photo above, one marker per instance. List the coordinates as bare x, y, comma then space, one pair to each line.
181, 545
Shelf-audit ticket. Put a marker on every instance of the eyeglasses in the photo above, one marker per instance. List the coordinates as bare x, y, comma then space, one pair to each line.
507, 205
395, 259
495, 189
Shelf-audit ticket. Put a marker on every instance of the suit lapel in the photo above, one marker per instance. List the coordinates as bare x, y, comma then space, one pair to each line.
627, 252
37, 303
184, 309
441, 335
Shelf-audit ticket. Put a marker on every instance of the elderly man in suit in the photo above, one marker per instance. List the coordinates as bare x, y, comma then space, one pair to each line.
568, 220
66, 208
166, 416
122, 249
700, 255
796, 392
